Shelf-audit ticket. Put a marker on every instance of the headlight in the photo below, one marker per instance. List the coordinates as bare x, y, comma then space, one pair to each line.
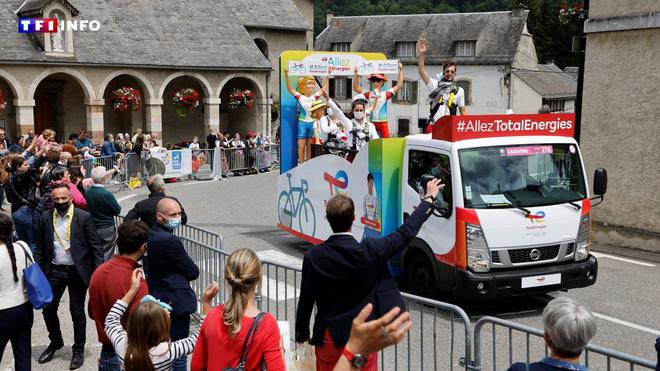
478, 255
583, 242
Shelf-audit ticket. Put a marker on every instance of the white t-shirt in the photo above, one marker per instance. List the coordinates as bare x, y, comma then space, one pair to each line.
380, 111
305, 103
12, 293
443, 110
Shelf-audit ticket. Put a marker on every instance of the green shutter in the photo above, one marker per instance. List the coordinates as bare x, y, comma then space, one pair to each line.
413, 92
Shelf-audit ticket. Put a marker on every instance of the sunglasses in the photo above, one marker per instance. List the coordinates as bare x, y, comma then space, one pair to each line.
375, 79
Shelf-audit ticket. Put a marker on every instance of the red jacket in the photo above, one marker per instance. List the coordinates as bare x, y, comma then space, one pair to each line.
110, 281
215, 349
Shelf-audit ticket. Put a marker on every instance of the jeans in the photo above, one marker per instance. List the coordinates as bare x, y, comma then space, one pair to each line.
16, 326
109, 360
179, 329
26, 220
60, 278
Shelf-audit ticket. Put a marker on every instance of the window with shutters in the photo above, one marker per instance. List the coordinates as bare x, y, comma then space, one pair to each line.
405, 49
467, 90
341, 47
465, 48
340, 88
407, 94
403, 127
556, 105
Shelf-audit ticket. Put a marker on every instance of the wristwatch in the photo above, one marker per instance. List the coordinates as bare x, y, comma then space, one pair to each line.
429, 196
357, 360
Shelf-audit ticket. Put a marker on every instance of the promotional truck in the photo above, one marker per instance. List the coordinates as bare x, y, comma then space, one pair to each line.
514, 217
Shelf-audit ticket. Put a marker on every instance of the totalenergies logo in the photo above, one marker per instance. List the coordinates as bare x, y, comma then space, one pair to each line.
337, 182
536, 217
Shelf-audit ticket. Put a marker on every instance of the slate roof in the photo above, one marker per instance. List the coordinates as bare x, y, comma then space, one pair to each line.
203, 34
549, 81
497, 34
275, 14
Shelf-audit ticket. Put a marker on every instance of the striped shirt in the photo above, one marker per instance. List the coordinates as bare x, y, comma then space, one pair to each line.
162, 355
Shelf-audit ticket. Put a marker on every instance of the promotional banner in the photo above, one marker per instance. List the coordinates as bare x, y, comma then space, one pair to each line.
454, 128
313, 63
175, 163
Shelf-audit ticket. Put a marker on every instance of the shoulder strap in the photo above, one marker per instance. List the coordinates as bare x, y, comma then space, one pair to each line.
249, 339
26, 253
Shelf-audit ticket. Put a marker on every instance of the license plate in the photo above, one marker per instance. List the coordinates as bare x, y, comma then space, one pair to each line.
537, 281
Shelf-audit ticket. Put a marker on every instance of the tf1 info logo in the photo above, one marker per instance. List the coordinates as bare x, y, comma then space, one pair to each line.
53, 25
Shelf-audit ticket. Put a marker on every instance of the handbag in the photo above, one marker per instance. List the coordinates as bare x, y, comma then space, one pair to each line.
249, 339
36, 284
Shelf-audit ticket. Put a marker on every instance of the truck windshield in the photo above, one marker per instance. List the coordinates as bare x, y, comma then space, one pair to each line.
521, 175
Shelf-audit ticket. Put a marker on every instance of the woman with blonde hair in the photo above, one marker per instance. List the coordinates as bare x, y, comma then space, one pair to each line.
305, 96
237, 334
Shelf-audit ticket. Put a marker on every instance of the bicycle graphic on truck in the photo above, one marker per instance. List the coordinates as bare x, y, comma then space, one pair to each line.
301, 208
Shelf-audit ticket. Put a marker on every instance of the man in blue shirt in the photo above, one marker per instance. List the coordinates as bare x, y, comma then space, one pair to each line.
83, 141
569, 326
108, 148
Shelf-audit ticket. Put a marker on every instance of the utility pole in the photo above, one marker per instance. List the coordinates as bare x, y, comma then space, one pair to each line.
580, 43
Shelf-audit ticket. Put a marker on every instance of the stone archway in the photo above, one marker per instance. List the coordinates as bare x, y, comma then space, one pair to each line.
240, 119
8, 114
127, 121
180, 126
60, 105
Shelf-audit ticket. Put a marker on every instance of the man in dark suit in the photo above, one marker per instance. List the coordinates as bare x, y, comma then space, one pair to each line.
342, 275
145, 210
68, 251
169, 270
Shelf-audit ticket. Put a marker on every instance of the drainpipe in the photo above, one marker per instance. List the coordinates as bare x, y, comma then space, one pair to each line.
580, 82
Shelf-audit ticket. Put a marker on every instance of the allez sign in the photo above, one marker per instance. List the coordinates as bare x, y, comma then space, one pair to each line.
343, 64
455, 128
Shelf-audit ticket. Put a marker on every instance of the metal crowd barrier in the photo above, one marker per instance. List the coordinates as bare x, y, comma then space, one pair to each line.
209, 239
109, 162
532, 346
243, 160
202, 162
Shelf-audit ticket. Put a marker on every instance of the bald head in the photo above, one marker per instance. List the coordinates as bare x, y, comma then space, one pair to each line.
167, 209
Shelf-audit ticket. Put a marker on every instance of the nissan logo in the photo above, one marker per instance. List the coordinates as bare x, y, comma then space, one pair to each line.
535, 254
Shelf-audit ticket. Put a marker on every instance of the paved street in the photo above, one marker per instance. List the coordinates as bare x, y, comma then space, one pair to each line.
624, 299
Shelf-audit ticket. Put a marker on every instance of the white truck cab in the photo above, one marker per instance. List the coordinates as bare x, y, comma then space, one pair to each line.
514, 217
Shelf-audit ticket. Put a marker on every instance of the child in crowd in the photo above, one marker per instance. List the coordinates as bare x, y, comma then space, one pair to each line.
146, 344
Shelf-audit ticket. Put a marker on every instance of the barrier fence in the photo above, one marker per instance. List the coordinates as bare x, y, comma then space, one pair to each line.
441, 337
526, 344
206, 163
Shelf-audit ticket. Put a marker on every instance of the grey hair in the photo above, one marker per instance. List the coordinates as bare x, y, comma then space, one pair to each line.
569, 325
155, 183
98, 174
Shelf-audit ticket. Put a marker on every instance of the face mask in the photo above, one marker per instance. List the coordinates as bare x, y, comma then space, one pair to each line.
173, 223
358, 115
61, 206
330, 112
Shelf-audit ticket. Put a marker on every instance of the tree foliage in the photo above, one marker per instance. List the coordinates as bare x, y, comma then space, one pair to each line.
553, 38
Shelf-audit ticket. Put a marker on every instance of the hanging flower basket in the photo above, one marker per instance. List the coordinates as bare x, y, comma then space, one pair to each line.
185, 99
3, 102
239, 98
126, 98
568, 12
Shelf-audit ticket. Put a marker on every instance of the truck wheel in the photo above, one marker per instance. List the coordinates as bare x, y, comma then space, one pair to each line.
421, 277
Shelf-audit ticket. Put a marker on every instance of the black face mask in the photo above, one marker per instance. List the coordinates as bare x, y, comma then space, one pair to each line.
61, 206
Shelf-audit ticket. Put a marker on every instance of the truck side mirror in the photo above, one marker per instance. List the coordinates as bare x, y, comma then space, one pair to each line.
424, 181
600, 182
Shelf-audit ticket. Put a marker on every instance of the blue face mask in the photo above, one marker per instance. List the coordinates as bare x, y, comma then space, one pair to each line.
173, 223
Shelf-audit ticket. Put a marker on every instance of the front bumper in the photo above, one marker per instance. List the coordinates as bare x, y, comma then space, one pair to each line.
507, 283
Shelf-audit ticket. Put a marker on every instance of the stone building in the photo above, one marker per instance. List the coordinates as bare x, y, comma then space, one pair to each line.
495, 52
620, 113
64, 80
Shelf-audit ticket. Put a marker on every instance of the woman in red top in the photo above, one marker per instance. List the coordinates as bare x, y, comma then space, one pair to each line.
224, 330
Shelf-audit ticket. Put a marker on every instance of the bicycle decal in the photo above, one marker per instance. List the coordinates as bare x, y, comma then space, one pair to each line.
301, 208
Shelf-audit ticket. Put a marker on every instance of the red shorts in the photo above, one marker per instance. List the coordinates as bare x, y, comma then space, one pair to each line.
382, 129
328, 356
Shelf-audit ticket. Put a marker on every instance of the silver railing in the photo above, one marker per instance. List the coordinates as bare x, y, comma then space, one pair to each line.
526, 344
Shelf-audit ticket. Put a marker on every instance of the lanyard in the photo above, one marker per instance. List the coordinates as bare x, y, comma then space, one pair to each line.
68, 225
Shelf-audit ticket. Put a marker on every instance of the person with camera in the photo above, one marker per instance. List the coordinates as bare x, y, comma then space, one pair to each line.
446, 96
342, 275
